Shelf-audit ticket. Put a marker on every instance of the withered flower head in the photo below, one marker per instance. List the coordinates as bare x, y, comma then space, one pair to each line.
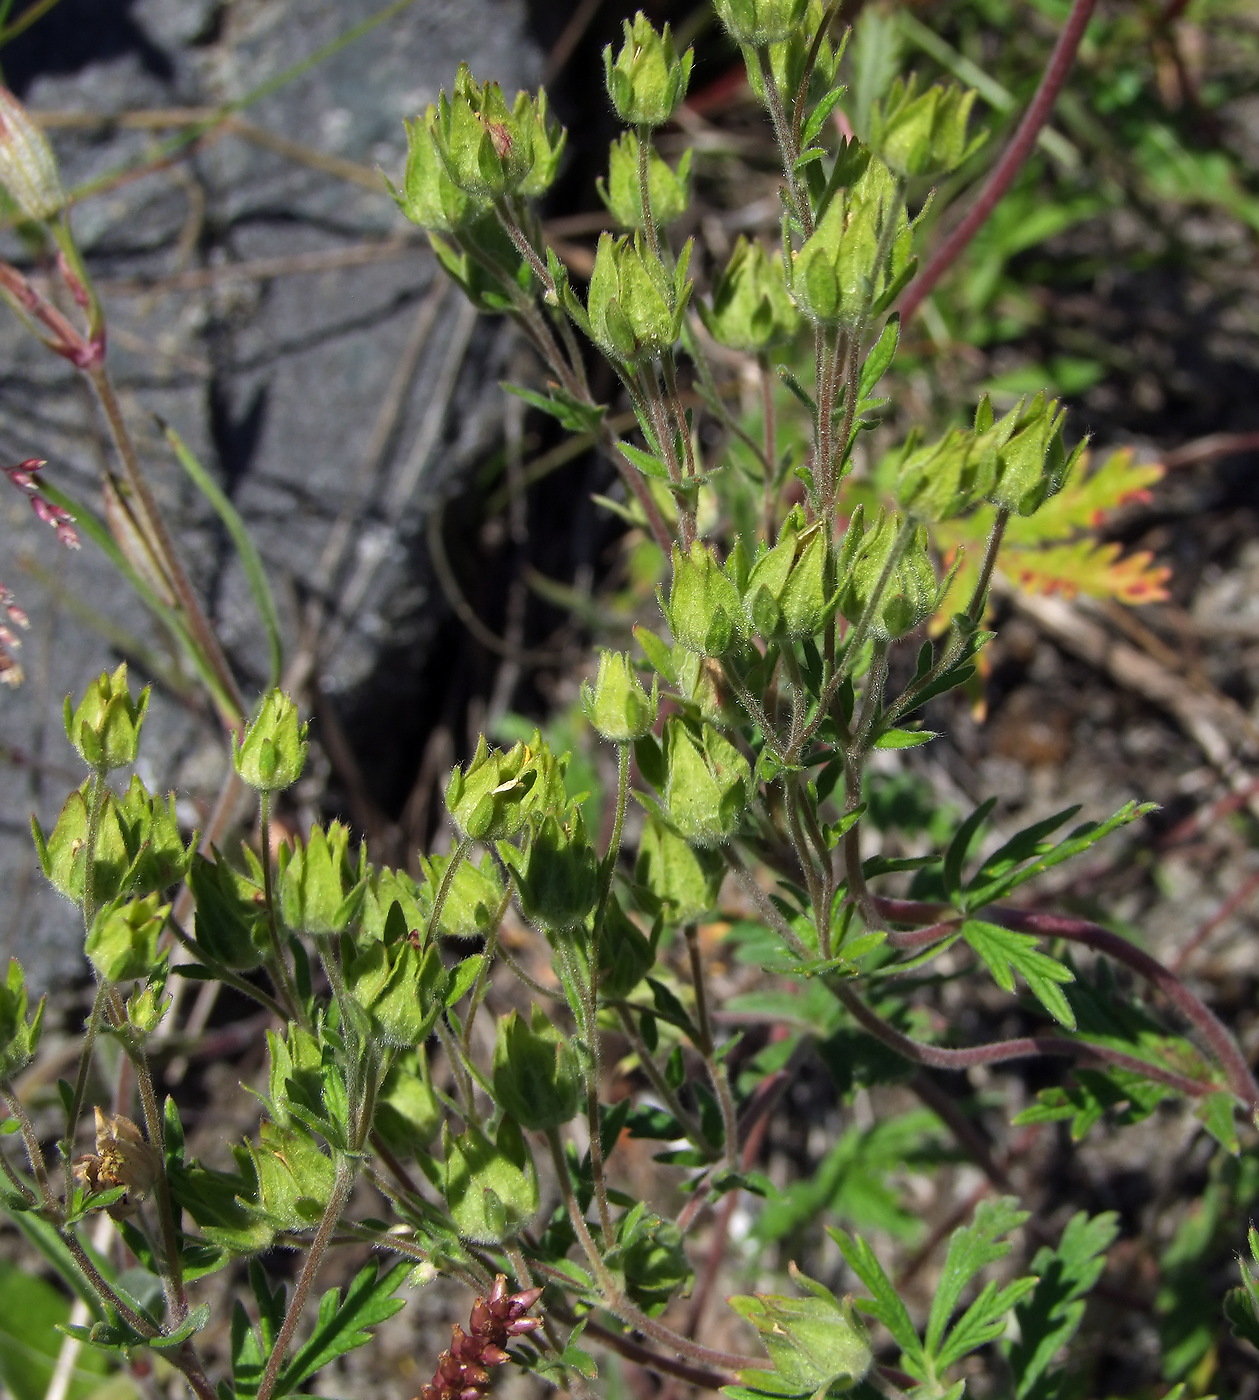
463, 1371
122, 1158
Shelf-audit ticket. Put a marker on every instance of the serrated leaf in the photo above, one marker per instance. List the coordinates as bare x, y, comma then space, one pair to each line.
884, 1303
983, 1322
971, 1249
343, 1325
1051, 1316
1056, 550
1005, 953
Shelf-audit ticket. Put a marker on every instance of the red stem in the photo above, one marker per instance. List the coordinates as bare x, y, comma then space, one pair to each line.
1240, 1079
1012, 159
1213, 1031
996, 1052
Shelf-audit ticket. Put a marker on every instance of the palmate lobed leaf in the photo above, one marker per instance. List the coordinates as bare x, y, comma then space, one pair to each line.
1051, 1316
1006, 953
343, 1325
971, 1249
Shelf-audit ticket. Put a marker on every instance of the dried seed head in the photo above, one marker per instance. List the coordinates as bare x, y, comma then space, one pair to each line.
463, 1370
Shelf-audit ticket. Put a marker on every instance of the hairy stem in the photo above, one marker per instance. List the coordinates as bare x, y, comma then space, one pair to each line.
343, 1184
997, 1052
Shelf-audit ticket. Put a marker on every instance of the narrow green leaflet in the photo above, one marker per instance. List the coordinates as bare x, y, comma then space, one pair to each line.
995, 883
1006, 952
343, 1325
959, 848
1051, 1315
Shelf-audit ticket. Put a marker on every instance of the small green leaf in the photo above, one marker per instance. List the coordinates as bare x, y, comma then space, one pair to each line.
1006, 952
463, 976
905, 738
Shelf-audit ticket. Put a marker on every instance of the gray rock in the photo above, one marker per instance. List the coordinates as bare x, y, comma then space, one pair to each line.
273, 375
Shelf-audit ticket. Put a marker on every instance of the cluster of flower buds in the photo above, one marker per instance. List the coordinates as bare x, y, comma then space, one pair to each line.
23, 477
463, 1372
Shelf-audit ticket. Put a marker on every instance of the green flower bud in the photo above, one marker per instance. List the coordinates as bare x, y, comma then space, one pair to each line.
19, 1038
815, 1344
28, 168
487, 147
148, 1004
625, 953
670, 190
648, 80
787, 596
704, 611
557, 875
787, 60
491, 1187
272, 753
635, 306
231, 913
682, 879
429, 197
499, 791
105, 728
398, 984
295, 1178
537, 1079
751, 311
754, 23
159, 856
63, 853
408, 1113
651, 1255
922, 133
1034, 463
318, 890
616, 705
122, 942
910, 594
709, 784
547, 141
861, 244
943, 479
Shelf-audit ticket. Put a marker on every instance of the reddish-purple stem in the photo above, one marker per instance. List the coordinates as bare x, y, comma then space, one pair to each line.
1011, 162
1240, 1079
996, 1052
1213, 1031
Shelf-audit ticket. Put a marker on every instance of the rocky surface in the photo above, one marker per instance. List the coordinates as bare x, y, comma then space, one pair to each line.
266, 299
